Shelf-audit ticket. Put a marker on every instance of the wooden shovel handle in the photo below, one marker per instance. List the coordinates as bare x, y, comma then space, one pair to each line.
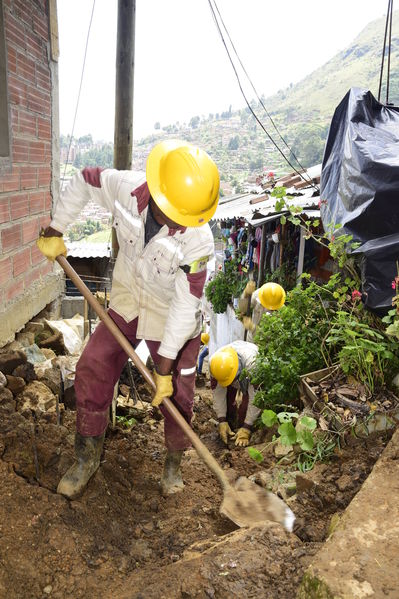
201, 449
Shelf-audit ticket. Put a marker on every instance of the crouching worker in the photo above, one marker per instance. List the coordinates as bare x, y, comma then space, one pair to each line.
233, 396
269, 297
160, 218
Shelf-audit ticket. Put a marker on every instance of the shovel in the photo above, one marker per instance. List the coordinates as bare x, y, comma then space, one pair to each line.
245, 503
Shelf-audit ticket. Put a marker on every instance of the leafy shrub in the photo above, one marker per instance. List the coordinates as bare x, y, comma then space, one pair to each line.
290, 343
228, 283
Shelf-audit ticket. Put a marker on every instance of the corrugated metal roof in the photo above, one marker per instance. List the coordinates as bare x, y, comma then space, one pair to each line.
81, 249
254, 207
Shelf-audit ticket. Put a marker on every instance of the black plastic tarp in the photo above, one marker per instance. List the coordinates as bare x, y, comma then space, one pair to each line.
359, 188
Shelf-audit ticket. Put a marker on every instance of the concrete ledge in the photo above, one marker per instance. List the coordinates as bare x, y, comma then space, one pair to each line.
30, 303
361, 558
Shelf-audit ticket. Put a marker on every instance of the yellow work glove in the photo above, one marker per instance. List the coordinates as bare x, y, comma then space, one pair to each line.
51, 247
164, 388
249, 288
242, 437
225, 432
248, 323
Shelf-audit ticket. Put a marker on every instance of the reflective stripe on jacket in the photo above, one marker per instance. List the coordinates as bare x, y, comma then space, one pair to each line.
147, 281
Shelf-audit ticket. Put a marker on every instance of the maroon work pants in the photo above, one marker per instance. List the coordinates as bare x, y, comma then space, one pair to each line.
100, 366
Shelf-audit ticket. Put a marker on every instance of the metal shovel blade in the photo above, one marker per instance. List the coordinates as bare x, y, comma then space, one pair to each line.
248, 504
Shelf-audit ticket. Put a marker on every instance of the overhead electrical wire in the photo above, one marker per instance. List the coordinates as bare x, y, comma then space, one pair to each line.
388, 23
302, 175
80, 88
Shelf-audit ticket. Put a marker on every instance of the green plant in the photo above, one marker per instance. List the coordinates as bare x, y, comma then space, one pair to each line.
392, 318
290, 342
292, 430
362, 351
126, 422
228, 283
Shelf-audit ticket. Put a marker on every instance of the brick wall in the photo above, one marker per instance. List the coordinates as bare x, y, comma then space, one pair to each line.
25, 194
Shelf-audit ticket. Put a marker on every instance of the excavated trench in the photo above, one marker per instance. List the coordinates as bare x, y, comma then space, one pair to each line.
121, 539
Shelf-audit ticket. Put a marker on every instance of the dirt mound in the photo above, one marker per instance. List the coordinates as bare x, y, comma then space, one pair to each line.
121, 539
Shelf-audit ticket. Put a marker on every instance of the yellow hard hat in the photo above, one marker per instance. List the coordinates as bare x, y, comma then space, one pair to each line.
224, 366
205, 338
271, 296
183, 181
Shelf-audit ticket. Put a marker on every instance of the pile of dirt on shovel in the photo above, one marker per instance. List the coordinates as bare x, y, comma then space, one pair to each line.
121, 539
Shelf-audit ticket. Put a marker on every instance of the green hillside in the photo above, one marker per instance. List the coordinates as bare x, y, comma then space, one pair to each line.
302, 113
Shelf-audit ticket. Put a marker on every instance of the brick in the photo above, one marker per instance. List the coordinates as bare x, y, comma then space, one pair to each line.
20, 150
4, 210
43, 78
17, 91
26, 68
5, 270
38, 101
36, 202
14, 118
14, 31
15, 289
28, 177
43, 175
11, 181
30, 231
31, 276
44, 221
48, 202
36, 255
11, 238
21, 262
34, 46
11, 60
44, 128
39, 151
27, 123
19, 206
40, 25
19, 9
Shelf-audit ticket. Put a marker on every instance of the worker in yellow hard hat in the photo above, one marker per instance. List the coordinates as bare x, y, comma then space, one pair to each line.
233, 396
269, 297
160, 218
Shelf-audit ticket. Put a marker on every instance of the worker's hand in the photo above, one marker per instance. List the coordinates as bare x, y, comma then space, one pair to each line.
248, 323
242, 437
51, 244
249, 288
164, 388
225, 432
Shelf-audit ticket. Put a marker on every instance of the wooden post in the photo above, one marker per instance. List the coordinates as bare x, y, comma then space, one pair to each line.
261, 270
123, 135
85, 319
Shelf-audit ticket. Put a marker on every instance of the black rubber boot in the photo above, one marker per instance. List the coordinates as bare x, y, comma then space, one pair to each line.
88, 452
171, 481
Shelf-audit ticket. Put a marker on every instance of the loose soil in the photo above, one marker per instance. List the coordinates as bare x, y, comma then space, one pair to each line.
121, 539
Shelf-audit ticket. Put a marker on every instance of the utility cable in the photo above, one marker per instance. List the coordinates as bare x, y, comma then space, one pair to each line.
255, 91
310, 181
80, 88
388, 22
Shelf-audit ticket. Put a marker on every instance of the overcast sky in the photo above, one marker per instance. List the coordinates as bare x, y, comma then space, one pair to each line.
181, 67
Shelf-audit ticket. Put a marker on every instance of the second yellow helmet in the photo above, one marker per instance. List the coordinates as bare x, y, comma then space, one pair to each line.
271, 296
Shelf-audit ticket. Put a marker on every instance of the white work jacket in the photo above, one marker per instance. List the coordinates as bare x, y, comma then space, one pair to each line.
247, 353
148, 282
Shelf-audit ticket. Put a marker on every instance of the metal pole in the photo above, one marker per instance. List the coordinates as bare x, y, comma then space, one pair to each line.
123, 135
261, 271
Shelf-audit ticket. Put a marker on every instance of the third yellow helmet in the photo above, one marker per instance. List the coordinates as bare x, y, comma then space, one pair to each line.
224, 365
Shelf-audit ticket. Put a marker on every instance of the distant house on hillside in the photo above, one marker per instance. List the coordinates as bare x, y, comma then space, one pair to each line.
29, 158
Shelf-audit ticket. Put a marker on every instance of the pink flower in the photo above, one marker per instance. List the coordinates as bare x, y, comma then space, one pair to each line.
356, 295
270, 174
332, 237
393, 284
